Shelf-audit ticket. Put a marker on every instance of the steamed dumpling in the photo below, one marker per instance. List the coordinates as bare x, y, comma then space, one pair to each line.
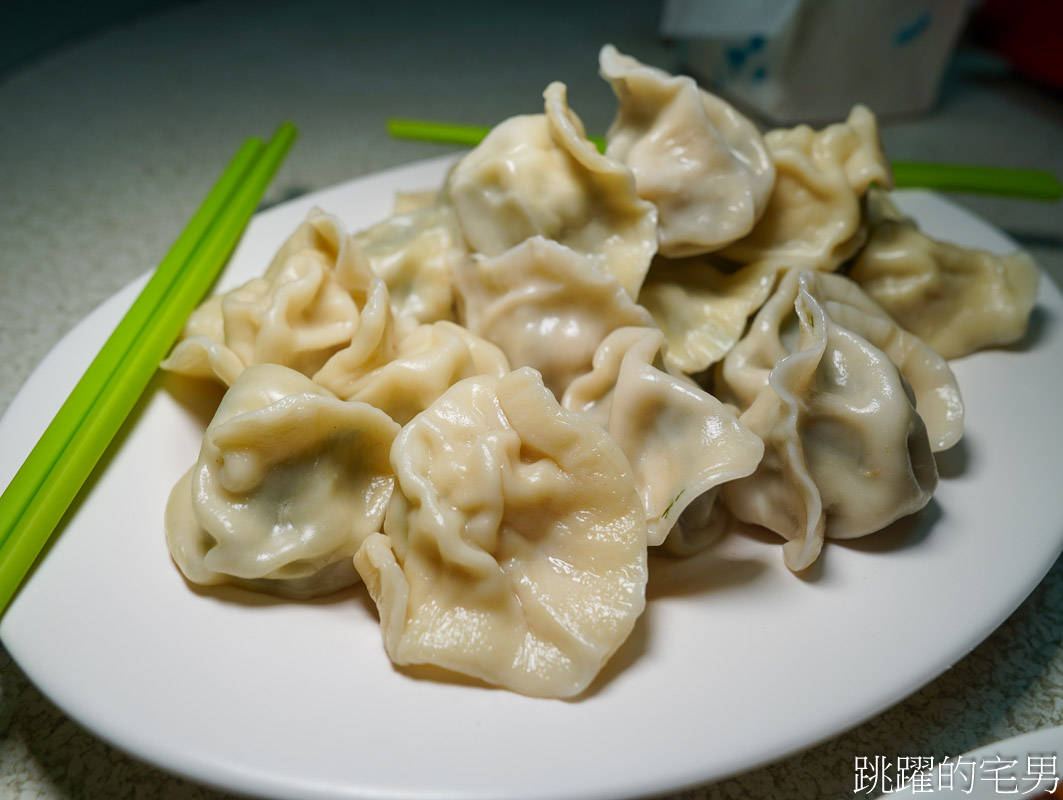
514, 549
701, 163
546, 306
956, 299
538, 175
681, 441
289, 482
814, 215
846, 452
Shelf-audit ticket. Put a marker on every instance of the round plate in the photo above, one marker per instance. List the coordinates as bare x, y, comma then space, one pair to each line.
1025, 766
735, 663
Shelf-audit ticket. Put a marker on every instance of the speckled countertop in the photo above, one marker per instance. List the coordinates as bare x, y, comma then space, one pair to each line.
107, 146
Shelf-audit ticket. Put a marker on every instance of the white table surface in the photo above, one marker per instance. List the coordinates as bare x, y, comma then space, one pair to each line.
108, 145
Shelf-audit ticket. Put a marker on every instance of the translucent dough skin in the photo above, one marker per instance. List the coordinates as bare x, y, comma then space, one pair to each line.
514, 550
744, 372
814, 218
429, 360
703, 308
682, 442
538, 175
846, 453
415, 252
958, 300
289, 482
701, 163
546, 306
319, 309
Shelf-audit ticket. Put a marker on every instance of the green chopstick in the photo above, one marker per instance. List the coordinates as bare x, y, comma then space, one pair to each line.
1030, 184
53, 474
449, 132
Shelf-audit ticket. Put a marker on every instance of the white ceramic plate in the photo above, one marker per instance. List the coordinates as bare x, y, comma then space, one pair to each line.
1026, 766
735, 663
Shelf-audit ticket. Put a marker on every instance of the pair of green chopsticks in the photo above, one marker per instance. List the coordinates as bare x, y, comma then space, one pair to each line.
64, 457
1030, 184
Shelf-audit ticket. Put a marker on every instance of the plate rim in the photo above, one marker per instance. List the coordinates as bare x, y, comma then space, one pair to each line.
246, 782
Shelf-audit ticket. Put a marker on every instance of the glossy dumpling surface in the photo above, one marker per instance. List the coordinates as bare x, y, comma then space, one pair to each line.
415, 252
814, 217
546, 306
701, 163
702, 307
846, 452
514, 549
745, 371
430, 360
538, 175
681, 441
318, 299
289, 482
957, 299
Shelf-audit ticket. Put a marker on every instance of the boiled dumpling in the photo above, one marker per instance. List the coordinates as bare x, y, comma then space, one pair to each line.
546, 306
701, 163
744, 372
846, 452
514, 548
957, 299
703, 307
415, 252
289, 482
319, 299
538, 175
815, 214
681, 441
429, 360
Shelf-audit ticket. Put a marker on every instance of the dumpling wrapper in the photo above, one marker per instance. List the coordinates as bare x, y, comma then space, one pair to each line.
539, 175
682, 442
319, 309
415, 251
702, 308
289, 482
846, 453
956, 299
514, 549
429, 361
815, 217
744, 372
546, 306
701, 163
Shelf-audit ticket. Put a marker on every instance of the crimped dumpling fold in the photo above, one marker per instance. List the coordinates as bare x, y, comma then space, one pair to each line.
744, 372
846, 452
702, 307
514, 548
546, 306
682, 442
415, 251
957, 299
539, 175
430, 359
289, 482
319, 309
701, 163
814, 215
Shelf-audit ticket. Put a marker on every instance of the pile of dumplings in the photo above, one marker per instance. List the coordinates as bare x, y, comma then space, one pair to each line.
492, 406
